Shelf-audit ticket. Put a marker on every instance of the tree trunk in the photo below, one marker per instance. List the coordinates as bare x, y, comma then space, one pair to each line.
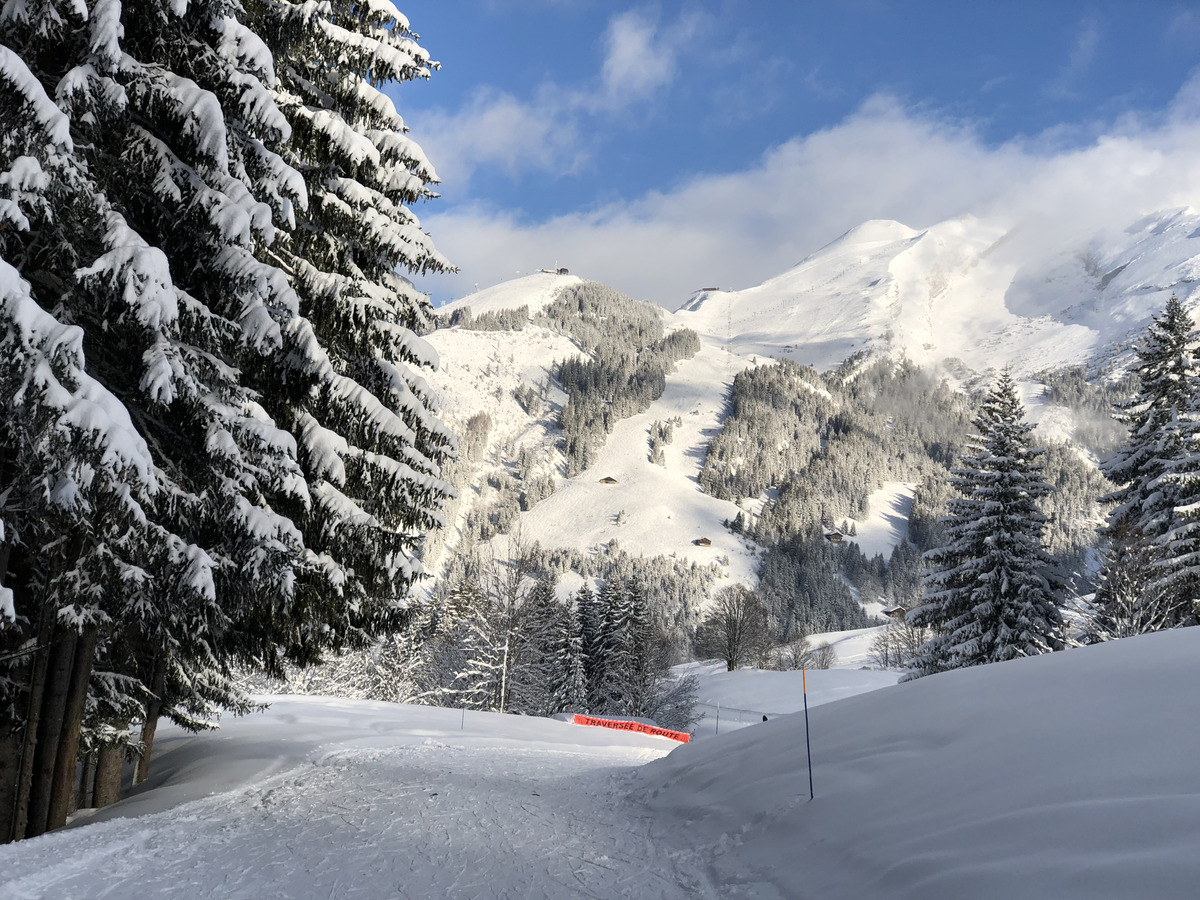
109, 762
5, 555
63, 787
158, 685
10, 766
33, 715
87, 778
49, 730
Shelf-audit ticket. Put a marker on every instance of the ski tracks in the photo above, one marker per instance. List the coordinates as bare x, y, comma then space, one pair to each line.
417, 821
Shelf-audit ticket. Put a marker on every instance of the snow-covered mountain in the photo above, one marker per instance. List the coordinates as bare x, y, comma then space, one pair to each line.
965, 289
966, 296
649, 509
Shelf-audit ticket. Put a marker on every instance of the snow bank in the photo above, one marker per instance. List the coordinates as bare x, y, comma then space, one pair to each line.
1070, 776
733, 700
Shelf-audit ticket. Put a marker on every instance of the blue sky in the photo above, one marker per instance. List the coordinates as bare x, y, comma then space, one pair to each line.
662, 146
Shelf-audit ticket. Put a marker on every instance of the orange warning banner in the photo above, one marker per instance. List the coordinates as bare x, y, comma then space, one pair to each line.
681, 736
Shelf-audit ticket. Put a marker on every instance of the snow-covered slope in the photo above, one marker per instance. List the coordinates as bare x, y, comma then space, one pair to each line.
653, 510
650, 510
1070, 776
536, 291
964, 289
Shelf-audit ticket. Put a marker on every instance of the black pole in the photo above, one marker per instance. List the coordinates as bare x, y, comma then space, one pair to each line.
807, 742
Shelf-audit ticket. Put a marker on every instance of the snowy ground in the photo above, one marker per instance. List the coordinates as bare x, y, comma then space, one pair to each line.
1066, 777
1070, 776
349, 799
734, 700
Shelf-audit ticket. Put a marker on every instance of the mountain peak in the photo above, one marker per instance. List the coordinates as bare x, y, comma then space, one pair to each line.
537, 291
876, 231
945, 292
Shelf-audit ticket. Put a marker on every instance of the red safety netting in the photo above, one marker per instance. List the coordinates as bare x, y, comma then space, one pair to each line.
681, 736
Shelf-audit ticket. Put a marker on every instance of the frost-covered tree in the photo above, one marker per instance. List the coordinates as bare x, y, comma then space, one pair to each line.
487, 650
533, 652
363, 417
608, 651
1153, 527
992, 593
1128, 601
78, 548
567, 684
165, 267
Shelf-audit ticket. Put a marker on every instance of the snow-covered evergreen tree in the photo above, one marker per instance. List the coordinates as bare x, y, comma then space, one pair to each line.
609, 656
362, 415
591, 609
1153, 525
533, 654
78, 549
1127, 601
645, 657
482, 682
992, 594
568, 683
180, 285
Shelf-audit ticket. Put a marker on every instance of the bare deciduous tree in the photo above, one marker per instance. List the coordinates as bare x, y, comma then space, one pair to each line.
893, 647
735, 628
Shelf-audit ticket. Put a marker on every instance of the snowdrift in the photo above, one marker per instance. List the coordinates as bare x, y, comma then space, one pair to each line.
1074, 775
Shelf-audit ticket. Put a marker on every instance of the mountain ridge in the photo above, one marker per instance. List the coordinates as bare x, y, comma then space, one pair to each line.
963, 298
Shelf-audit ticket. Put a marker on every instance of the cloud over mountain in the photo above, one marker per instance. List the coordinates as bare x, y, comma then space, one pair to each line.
888, 159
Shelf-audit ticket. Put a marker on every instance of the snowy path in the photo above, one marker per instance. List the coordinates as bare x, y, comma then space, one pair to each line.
423, 820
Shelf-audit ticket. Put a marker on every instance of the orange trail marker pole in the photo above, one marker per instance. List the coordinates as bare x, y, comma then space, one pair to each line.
807, 742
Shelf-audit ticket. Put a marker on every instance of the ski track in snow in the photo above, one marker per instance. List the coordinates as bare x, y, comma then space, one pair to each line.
418, 821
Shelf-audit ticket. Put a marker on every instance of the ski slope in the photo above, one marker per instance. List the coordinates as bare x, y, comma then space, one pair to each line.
1065, 777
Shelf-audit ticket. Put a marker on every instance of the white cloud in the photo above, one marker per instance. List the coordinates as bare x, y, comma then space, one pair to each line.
884, 161
641, 57
635, 64
1083, 55
496, 129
